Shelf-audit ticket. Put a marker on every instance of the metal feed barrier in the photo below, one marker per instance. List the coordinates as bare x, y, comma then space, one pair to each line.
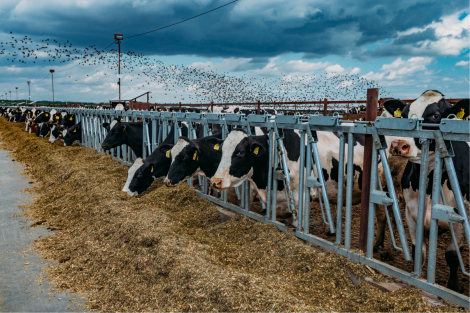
161, 123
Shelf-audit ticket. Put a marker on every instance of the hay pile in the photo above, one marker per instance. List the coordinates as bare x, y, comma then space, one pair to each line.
167, 251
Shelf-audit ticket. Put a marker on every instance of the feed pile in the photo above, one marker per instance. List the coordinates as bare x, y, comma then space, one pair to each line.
167, 251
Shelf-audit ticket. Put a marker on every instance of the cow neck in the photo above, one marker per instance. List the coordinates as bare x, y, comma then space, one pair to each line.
134, 130
261, 164
208, 160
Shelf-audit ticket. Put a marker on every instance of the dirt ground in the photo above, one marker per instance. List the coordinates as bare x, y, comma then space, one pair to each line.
442, 270
166, 250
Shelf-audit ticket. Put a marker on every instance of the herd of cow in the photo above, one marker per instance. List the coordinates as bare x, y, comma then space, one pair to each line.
229, 162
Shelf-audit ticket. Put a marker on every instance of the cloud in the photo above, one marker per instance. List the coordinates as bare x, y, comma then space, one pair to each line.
462, 63
396, 72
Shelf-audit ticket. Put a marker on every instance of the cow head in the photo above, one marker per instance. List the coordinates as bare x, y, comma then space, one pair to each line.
56, 134
239, 152
71, 134
116, 134
145, 172
432, 107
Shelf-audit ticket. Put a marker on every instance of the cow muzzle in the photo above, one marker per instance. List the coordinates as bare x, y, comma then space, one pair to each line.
217, 184
105, 146
399, 148
168, 183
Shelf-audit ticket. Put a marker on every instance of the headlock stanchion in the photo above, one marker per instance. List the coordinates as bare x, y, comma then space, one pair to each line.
311, 182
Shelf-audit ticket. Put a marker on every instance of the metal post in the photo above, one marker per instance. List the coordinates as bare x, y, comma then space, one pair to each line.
339, 201
16, 95
436, 187
423, 179
258, 110
301, 181
371, 114
29, 88
52, 73
325, 107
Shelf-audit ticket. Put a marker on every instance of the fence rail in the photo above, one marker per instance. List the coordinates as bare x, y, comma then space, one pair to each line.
308, 127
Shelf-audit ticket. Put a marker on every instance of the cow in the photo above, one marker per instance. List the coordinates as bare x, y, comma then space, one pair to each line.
72, 134
56, 133
45, 117
143, 172
432, 107
45, 130
130, 133
67, 120
191, 157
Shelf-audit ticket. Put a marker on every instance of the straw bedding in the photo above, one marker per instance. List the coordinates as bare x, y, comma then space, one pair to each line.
166, 249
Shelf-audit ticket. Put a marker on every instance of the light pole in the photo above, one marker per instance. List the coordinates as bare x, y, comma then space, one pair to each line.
16, 95
119, 37
10, 96
29, 88
52, 72
6, 97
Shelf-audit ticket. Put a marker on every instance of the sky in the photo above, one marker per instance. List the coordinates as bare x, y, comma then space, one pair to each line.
404, 47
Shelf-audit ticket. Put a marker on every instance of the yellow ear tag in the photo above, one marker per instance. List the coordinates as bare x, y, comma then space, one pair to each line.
71, 118
151, 171
56, 117
168, 154
195, 155
124, 129
397, 113
256, 151
217, 146
461, 114
122, 119
75, 130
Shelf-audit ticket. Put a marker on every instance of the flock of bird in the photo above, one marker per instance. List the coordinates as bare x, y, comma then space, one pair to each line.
189, 84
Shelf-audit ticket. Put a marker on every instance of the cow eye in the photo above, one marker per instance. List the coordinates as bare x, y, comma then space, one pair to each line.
240, 154
436, 116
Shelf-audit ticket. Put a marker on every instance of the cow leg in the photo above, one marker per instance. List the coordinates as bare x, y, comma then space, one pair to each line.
381, 222
452, 259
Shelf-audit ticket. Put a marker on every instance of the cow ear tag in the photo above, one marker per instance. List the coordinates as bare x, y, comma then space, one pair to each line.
47, 115
151, 171
70, 118
75, 130
168, 153
217, 146
122, 119
124, 129
397, 113
195, 155
460, 114
256, 151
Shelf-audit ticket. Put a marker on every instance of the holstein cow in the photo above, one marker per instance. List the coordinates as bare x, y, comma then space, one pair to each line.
45, 117
56, 134
45, 130
143, 172
71, 134
432, 107
193, 157
67, 120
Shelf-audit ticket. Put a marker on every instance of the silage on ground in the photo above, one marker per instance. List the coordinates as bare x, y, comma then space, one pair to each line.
166, 250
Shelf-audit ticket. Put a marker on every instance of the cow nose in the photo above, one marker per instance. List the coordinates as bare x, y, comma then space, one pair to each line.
168, 182
400, 148
216, 183
105, 146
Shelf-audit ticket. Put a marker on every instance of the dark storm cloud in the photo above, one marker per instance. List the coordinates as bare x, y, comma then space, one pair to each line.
250, 29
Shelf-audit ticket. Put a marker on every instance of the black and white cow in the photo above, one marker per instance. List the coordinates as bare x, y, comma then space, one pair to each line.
194, 157
143, 172
45, 117
432, 107
44, 129
67, 120
130, 133
72, 134
56, 133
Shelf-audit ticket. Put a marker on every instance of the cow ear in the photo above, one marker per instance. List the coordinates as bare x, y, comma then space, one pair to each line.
214, 143
461, 109
395, 107
165, 149
105, 125
256, 149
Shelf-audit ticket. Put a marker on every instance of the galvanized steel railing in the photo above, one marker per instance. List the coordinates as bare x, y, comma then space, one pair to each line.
93, 135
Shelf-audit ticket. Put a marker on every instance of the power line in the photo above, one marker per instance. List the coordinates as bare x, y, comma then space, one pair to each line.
151, 31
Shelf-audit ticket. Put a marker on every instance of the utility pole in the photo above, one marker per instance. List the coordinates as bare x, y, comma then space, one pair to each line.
29, 87
52, 72
119, 37
16, 95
